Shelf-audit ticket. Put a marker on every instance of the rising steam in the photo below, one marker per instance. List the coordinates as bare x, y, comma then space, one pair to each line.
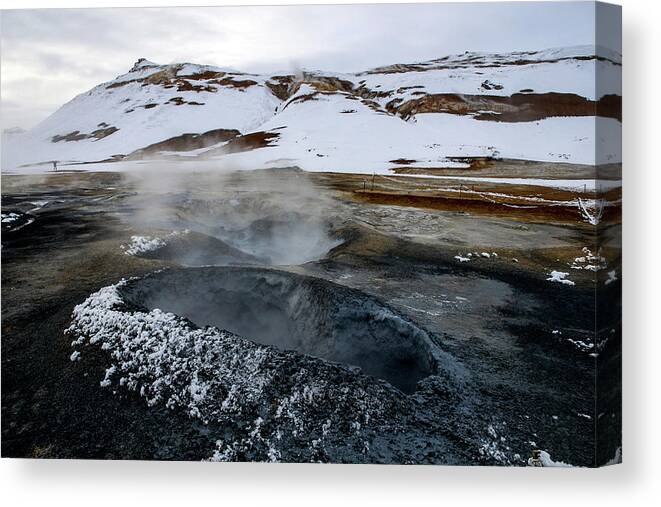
276, 216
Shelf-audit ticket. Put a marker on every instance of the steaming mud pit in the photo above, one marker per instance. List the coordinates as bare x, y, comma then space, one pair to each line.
341, 331
294, 312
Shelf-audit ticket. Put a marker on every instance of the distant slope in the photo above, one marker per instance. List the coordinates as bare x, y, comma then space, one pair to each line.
149, 104
529, 105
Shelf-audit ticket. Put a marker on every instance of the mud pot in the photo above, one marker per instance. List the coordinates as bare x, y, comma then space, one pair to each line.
295, 312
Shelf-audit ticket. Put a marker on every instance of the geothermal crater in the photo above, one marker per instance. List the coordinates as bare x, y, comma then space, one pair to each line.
295, 312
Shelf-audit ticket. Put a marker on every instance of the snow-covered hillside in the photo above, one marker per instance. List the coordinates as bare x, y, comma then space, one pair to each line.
530, 105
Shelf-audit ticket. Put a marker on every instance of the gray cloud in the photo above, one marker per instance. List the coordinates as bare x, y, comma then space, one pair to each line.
51, 55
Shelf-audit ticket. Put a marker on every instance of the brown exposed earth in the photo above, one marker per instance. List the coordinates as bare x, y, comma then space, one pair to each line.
482, 204
519, 107
246, 142
513, 168
280, 86
169, 78
187, 142
77, 136
520, 202
179, 101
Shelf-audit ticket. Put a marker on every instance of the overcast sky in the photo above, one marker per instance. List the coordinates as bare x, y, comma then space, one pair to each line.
50, 56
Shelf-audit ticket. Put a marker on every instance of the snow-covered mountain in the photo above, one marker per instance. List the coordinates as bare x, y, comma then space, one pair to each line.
542, 105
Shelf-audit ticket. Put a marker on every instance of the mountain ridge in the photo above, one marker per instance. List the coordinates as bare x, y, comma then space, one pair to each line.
485, 97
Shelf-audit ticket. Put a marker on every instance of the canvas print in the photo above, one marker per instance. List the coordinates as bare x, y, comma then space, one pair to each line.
384, 234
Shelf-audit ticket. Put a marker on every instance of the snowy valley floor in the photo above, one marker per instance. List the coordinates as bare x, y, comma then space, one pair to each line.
469, 308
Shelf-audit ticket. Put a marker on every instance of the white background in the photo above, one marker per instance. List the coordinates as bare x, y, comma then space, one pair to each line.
636, 482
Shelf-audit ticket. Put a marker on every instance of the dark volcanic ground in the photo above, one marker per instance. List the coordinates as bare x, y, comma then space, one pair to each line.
513, 375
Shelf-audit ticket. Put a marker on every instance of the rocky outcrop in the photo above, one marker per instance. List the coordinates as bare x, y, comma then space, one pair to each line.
204, 81
186, 142
77, 136
246, 142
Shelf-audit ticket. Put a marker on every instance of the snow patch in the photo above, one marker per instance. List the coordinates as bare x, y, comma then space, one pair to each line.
143, 244
545, 460
612, 277
589, 261
591, 210
560, 277
8, 218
